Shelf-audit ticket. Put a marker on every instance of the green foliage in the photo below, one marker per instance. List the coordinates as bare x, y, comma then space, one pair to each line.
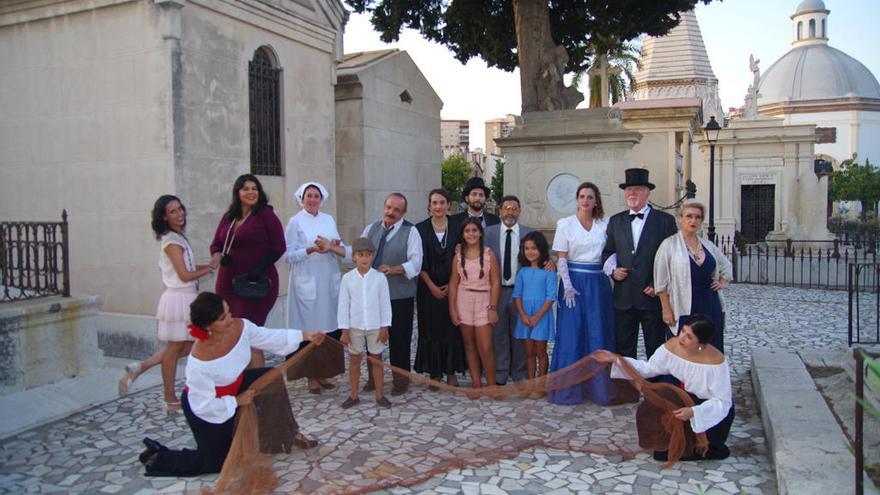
455, 171
622, 61
855, 182
486, 28
498, 182
872, 381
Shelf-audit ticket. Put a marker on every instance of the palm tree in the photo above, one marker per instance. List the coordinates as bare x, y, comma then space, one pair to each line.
611, 74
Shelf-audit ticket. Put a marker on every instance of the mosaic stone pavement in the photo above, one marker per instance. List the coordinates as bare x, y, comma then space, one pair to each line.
535, 444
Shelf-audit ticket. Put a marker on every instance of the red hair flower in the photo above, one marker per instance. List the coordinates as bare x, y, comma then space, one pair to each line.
197, 332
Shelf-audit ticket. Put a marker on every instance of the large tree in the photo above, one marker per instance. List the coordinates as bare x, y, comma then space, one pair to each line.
544, 39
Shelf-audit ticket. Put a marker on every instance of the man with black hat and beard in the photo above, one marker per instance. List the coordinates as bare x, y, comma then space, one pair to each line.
475, 194
633, 238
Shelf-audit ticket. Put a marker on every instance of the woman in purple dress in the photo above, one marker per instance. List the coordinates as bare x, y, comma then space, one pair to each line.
250, 238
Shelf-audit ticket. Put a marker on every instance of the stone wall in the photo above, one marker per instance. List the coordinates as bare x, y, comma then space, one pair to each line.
550, 153
46, 340
107, 105
85, 126
385, 144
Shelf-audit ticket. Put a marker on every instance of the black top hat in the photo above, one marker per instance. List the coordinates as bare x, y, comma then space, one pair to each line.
636, 177
473, 183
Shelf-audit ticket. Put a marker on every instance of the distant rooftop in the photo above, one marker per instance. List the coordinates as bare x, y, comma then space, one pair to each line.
360, 59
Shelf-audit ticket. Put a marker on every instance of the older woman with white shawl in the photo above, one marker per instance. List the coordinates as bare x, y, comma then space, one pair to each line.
313, 251
689, 273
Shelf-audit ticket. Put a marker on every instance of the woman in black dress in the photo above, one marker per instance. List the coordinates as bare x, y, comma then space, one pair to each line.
440, 349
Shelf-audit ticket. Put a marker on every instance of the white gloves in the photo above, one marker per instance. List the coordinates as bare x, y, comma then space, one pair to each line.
570, 292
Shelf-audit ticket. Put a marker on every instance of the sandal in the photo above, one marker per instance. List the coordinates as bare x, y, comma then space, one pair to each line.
132, 371
303, 442
172, 408
326, 384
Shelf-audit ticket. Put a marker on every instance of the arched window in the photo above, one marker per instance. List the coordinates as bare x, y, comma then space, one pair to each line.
265, 113
800, 29
824, 33
812, 28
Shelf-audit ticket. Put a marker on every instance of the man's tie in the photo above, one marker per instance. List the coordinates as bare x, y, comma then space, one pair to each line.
633, 216
378, 259
507, 268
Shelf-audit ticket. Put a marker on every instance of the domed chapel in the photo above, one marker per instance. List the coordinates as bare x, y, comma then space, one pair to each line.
818, 84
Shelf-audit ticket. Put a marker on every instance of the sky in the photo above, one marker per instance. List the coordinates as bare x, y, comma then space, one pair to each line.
732, 30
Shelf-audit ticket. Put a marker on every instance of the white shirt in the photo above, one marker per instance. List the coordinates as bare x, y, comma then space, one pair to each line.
303, 229
169, 274
707, 381
364, 301
514, 251
203, 376
638, 224
413, 264
582, 245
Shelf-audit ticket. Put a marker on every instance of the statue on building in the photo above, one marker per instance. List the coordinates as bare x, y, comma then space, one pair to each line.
750, 110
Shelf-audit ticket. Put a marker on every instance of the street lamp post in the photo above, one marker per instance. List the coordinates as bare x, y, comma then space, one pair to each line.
712, 130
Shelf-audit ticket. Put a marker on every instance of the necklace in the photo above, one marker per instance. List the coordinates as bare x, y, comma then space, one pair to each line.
587, 223
695, 252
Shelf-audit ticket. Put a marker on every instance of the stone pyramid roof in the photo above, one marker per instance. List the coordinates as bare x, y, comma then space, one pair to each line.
678, 55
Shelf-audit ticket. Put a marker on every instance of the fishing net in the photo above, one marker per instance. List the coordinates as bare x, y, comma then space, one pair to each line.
497, 433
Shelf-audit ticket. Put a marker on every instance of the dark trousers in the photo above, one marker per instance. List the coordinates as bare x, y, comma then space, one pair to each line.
717, 435
510, 353
627, 322
400, 334
212, 441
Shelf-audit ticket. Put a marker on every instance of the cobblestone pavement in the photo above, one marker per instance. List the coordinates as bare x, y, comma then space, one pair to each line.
96, 451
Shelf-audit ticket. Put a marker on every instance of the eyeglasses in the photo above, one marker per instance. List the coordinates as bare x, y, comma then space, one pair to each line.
509, 208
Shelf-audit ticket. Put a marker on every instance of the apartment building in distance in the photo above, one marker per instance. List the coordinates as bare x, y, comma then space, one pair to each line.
498, 128
455, 137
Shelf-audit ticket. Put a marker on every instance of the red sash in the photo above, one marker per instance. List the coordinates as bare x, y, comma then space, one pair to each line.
231, 389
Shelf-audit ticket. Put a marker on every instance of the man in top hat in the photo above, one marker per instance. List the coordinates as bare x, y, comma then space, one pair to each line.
475, 194
633, 238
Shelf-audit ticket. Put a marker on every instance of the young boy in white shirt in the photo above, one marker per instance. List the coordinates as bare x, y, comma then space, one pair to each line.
364, 316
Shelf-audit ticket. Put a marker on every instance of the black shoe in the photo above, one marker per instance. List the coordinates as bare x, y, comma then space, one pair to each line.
661, 456
383, 402
350, 402
151, 453
153, 445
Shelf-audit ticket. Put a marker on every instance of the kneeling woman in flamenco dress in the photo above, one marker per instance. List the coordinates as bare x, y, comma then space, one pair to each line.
217, 383
702, 372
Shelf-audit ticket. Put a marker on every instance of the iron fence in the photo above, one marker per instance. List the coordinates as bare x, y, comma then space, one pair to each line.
864, 303
859, 438
808, 264
34, 259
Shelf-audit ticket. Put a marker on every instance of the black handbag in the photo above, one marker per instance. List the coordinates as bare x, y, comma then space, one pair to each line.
251, 289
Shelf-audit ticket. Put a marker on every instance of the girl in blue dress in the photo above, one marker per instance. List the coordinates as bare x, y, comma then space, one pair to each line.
533, 294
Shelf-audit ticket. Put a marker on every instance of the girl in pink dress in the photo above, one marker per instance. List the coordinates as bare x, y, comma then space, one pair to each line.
473, 295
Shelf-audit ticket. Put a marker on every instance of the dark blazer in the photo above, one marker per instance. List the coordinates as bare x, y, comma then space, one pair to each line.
493, 241
658, 226
490, 218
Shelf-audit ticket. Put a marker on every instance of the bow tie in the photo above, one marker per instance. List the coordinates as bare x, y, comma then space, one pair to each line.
633, 216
